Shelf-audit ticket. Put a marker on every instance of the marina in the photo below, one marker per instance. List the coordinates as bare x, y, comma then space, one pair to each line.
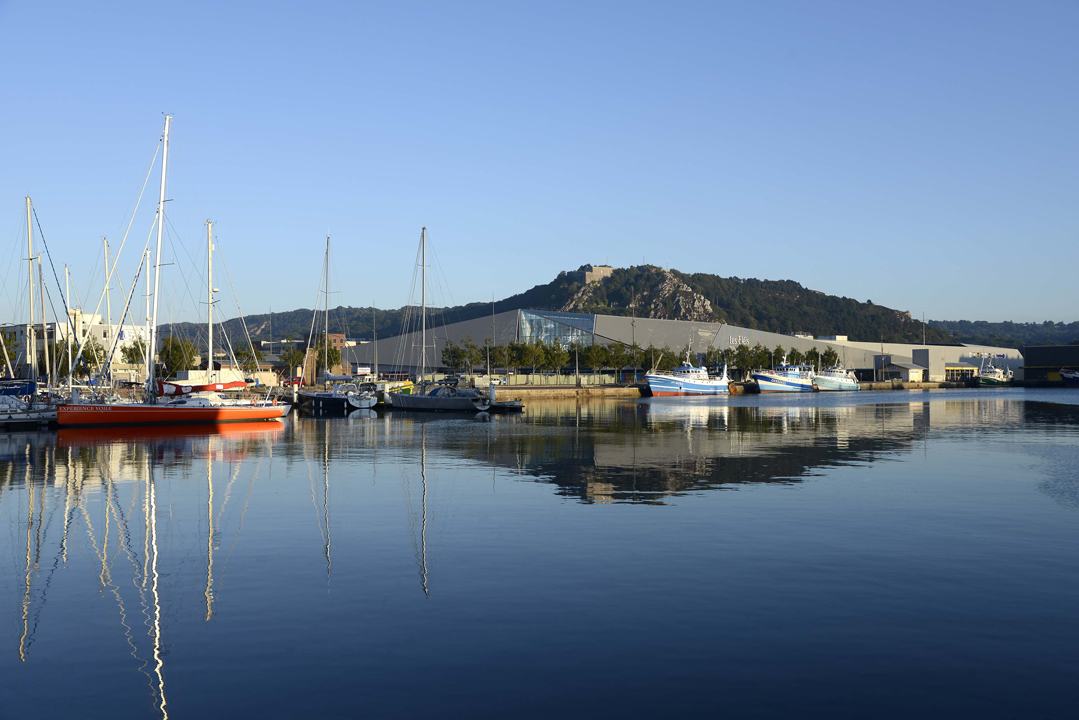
539, 361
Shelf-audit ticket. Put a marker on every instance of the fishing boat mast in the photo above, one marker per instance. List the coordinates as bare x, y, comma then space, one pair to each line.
157, 262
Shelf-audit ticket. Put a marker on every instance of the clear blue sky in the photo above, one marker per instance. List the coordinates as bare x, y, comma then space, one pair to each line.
922, 155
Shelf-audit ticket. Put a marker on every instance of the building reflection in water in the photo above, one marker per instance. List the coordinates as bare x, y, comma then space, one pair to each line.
105, 488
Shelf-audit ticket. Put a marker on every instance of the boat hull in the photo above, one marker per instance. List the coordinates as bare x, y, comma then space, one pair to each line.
101, 415
1070, 379
670, 386
827, 384
993, 382
772, 383
26, 418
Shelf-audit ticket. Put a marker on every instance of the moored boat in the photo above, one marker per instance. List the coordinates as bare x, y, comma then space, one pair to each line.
1070, 377
343, 398
836, 378
443, 398
166, 388
992, 376
15, 413
687, 380
785, 378
196, 408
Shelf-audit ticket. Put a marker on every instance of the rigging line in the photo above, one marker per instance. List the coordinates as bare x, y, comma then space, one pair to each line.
123, 241
59, 287
236, 298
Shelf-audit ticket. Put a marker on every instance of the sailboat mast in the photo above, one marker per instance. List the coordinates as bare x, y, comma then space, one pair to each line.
209, 302
44, 331
108, 295
157, 259
423, 300
67, 308
31, 346
326, 332
374, 338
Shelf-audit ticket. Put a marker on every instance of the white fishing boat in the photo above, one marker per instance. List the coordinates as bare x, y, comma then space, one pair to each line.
785, 378
836, 378
992, 376
687, 380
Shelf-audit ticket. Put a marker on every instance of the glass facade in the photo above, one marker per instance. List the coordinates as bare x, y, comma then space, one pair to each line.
550, 327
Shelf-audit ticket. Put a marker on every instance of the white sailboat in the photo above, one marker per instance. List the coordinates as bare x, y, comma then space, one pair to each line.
435, 397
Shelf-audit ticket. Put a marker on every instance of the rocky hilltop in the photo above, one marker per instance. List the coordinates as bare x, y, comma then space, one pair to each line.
781, 306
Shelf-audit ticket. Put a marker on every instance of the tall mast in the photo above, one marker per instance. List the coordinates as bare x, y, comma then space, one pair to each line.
108, 295
44, 331
209, 302
31, 346
67, 307
157, 257
423, 300
146, 282
374, 338
326, 332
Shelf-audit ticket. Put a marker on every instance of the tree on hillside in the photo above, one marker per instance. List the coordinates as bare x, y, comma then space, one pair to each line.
812, 357
829, 358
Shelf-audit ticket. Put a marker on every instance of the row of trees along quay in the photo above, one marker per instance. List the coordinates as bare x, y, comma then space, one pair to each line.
543, 357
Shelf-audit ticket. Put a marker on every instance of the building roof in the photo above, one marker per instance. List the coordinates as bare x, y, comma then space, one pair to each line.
959, 366
908, 366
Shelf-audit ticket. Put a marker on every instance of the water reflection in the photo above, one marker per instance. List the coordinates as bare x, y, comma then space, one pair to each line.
133, 499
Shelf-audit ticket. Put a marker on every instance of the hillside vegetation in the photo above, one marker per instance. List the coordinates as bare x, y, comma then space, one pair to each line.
1010, 334
781, 306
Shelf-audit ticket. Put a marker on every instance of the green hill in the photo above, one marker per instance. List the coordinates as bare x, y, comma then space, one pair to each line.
1010, 334
781, 306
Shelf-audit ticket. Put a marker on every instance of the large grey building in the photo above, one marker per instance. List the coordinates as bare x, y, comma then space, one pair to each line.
403, 352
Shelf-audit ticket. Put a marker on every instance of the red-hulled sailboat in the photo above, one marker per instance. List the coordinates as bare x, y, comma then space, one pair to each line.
197, 407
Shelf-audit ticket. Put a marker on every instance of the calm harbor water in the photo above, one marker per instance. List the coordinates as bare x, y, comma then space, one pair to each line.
864, 555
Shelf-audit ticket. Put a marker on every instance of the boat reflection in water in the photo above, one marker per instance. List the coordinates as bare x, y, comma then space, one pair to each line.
101, 486
141, 573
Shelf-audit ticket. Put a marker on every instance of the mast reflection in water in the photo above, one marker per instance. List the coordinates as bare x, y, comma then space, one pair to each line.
709, 553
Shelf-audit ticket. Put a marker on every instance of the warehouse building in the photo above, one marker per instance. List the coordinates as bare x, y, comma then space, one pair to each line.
1044, 362
403, 353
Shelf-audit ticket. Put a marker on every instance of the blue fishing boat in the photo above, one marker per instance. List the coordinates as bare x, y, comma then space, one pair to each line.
785, 378
687, 380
